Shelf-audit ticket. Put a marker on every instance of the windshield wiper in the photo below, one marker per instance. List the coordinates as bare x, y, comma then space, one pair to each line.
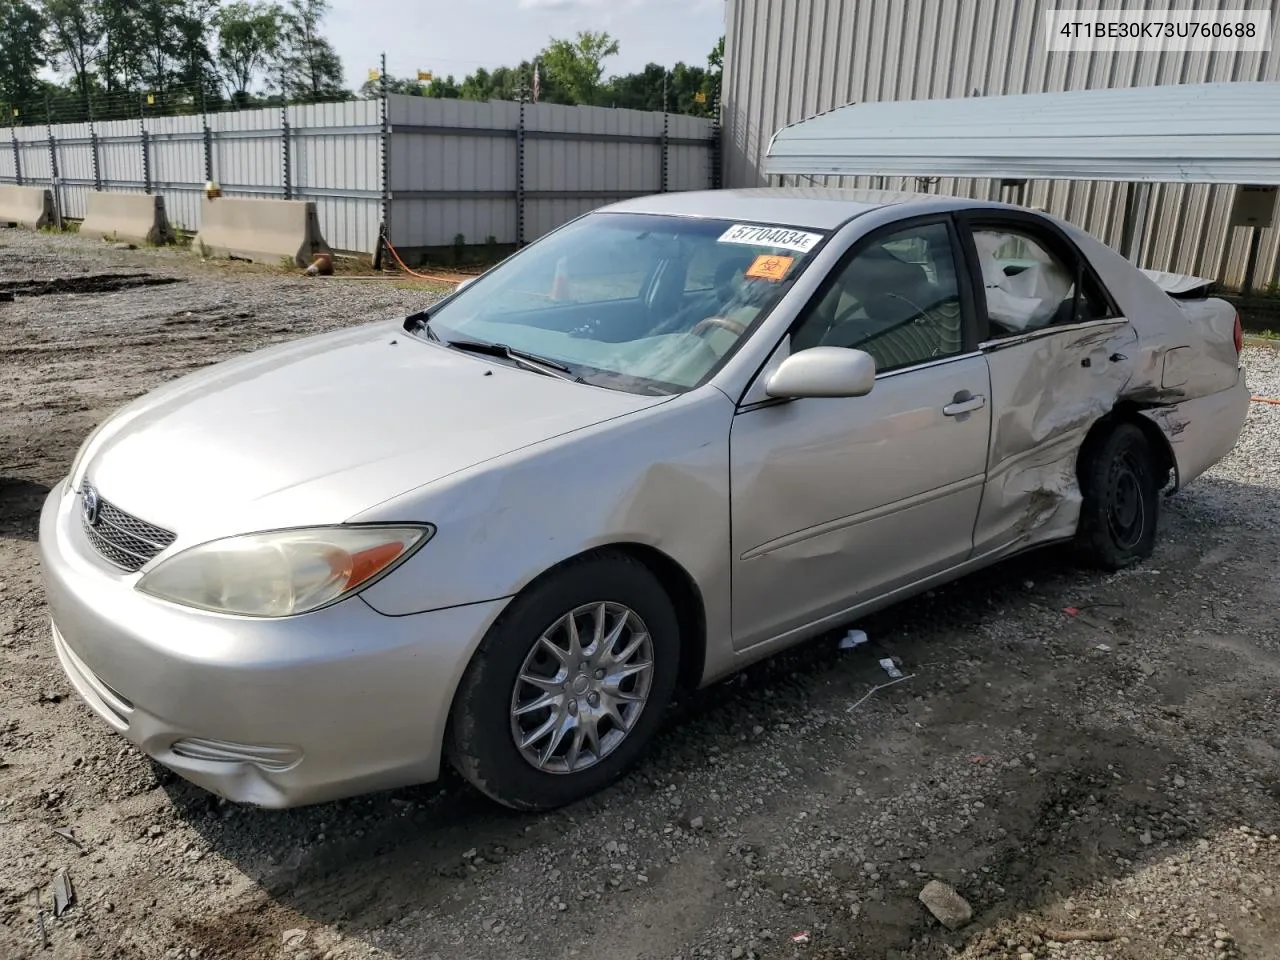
530, 361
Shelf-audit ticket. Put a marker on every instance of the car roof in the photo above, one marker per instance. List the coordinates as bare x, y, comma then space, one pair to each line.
821, 208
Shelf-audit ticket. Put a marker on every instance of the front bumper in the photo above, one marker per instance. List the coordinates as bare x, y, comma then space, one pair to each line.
276, 713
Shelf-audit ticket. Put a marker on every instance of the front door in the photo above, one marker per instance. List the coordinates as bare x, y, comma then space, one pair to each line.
838, 501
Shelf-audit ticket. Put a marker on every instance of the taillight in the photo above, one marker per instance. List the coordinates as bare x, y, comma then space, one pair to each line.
1239, 335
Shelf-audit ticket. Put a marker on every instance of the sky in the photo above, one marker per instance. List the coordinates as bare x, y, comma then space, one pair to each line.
457, 36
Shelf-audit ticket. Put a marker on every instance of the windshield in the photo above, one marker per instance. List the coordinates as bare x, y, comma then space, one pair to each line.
636, 302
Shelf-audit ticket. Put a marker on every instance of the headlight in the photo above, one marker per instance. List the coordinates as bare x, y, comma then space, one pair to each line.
282, 573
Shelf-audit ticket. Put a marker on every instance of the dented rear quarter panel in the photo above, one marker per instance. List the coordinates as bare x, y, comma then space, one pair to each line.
1187, 379
1198, 334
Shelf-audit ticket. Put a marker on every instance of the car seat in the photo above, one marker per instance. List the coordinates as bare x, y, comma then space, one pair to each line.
891, 309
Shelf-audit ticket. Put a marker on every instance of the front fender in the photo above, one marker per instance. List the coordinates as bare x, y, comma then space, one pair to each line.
658, 478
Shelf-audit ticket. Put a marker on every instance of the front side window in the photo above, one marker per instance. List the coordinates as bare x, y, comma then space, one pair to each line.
635, 302
897, 298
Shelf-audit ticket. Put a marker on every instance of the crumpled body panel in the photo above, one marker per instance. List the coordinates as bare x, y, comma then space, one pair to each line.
1047, 392
1172, 360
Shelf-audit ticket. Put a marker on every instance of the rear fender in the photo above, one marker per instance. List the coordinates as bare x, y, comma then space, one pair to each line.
1200, 432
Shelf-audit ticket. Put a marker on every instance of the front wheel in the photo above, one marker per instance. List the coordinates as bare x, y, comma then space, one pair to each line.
569, 685
1121, 503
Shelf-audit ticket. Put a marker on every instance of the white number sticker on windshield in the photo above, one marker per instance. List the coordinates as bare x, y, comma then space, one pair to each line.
757, 236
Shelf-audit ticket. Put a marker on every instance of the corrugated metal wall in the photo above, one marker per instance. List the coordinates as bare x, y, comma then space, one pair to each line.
484, 170
786, 60
478, 170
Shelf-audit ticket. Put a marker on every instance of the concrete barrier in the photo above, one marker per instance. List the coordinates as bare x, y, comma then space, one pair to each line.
131, 217
26, 206
261, 230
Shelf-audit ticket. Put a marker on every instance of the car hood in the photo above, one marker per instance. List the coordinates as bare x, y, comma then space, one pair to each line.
324, 428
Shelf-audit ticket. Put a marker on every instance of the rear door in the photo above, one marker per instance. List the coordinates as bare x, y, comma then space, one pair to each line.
1059, 351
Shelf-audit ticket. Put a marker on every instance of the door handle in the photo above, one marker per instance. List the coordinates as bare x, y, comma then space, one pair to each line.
958, 406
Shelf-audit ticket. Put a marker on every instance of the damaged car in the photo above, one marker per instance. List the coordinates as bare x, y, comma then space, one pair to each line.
672, 437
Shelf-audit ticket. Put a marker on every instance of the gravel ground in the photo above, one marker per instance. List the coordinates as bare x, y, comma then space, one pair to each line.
1103, 785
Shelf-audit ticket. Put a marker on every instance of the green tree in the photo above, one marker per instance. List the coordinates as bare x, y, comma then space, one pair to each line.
310, 69
638, 91
118, 65
152, 32
249, 36
445, 88
690, 91
682, 89
503, 83
76, 34
22, 52
195, 67
477, 85
576, 66
715, 77
404, 86
158, 47
439, 88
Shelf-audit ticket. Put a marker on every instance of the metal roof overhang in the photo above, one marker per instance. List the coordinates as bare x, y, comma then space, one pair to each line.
1176, 133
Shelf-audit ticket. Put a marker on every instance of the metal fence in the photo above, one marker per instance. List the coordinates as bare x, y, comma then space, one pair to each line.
437, 171
514, 171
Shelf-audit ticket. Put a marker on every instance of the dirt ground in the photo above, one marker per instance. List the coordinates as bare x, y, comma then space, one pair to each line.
1097, 783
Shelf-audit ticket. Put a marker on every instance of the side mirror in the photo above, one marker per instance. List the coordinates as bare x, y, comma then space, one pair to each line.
823, 372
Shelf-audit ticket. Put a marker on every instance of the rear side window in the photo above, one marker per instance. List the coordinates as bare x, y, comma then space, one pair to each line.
1030, 285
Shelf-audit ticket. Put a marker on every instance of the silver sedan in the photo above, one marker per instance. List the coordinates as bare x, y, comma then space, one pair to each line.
668, 439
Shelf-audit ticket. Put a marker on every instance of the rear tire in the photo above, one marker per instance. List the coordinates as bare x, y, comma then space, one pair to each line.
1121, 506
547, 713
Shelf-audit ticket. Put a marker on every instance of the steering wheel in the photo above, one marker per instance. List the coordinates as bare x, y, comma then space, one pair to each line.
722, 323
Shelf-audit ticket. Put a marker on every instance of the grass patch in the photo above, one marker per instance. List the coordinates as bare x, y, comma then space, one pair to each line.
1265, 338
425, 286
68, 226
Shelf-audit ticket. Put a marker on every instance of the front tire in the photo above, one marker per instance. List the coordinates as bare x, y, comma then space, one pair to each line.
569, 685
1121, 506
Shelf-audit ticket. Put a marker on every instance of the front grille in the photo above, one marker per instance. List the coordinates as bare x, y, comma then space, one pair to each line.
120, 537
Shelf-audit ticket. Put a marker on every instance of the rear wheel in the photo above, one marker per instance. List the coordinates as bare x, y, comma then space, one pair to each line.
569, 685
1121, 506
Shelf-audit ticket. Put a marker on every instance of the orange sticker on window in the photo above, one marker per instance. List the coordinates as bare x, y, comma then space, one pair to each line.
770, 266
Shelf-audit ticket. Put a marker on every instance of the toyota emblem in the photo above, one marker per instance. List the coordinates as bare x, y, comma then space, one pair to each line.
90, 507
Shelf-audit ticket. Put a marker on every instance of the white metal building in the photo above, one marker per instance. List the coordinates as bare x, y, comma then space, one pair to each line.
787, 60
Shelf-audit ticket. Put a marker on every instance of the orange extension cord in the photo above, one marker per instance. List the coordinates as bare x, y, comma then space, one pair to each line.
1265, 400
412, 273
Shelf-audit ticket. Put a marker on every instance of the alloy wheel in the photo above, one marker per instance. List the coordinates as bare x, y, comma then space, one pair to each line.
582, 688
